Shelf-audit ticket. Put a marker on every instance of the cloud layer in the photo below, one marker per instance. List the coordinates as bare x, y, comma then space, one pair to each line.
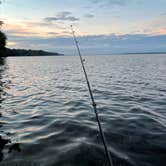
137, 26
95, 44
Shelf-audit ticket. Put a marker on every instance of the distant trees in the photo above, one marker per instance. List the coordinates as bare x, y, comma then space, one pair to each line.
23, 52
3, 39
19, 52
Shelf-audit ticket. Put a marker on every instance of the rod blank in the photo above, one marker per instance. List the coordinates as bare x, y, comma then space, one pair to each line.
109, 159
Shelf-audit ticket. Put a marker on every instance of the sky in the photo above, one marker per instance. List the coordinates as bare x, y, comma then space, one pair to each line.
102, 26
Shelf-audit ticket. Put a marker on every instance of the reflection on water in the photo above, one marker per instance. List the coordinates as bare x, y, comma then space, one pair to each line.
4, 140
46, 112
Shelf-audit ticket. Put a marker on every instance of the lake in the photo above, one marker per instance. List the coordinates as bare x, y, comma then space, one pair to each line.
47, 119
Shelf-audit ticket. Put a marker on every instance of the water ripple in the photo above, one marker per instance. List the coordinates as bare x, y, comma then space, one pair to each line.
47, 115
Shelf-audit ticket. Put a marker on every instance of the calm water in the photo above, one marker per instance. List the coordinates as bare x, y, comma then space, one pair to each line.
47, 116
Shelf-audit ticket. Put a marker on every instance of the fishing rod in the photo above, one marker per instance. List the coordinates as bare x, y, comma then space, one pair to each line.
109, 158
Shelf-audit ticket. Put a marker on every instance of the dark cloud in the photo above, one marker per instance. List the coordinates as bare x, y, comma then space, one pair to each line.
62, 16
2, 1
21, 33
53, 33
89, 15
163, 14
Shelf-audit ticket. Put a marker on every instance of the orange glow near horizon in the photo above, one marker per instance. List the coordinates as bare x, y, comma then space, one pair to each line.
28, 29
162, 31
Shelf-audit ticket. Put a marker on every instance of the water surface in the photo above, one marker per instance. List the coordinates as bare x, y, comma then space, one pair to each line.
46, 111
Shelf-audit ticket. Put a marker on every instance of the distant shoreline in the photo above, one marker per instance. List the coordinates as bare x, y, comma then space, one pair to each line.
29, 53
36, 55
144, 53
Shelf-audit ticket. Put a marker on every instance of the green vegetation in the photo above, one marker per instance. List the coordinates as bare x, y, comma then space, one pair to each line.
20, 52
3, 39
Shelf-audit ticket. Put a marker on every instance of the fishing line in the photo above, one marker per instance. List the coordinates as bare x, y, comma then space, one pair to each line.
109, 158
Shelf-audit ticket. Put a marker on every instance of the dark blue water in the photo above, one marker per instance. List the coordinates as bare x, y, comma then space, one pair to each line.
47, 120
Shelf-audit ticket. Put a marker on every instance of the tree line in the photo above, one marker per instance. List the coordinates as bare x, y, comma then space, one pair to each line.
20, 52
3, 49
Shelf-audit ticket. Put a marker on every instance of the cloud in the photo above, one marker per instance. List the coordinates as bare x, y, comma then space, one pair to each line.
163, 14
155, 26
21, 30
2, 1
53, 33
94, 44
34, 29
160, 21
62, 16
162, 31
89, 15
111, 2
